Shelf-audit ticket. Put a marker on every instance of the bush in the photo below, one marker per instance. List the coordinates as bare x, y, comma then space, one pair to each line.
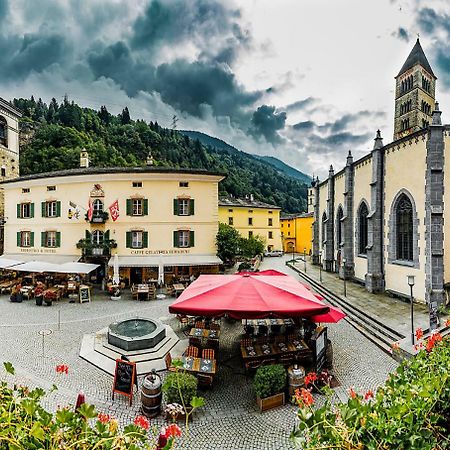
411, 411
269, 380
179, 383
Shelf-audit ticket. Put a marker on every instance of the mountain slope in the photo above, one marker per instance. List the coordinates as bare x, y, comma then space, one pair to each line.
286, 169
53, 135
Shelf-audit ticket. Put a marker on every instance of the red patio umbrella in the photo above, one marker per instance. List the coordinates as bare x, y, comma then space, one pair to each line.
248, 296
334, 315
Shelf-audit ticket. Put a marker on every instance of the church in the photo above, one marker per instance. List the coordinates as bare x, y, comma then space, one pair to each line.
380, 218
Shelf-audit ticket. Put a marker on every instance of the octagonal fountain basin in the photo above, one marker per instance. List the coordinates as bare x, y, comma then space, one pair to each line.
136, 334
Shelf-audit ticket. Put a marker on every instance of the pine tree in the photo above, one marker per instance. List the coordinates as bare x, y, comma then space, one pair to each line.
125, 116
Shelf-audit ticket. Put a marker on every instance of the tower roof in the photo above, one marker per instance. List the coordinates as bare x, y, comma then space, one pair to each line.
417, 56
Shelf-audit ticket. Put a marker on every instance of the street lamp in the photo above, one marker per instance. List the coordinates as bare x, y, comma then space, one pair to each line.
344, 261
411, 285
320, 265
304, 257
293, 248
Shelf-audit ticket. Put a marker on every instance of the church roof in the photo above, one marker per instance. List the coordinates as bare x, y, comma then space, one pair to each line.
10, 107
417, 56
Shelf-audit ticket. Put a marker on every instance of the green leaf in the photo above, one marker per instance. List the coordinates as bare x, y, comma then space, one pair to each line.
87, 411
37, 431
177, 363
197, 402
9, 368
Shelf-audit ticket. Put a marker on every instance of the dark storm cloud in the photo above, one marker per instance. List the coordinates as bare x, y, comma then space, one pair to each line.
300, 104
3, 9
266, 122
349, 120
402, 34
308, 125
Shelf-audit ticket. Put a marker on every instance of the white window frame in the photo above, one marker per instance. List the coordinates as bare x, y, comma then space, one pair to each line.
25, 238
50, 209
97, 206
137, 239
25, 207
184, 238
183, 206
97, 237
137, 206
50, 239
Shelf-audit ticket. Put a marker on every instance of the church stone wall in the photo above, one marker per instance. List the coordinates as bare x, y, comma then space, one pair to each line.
447, 207
363, 178
323, 189
339, 201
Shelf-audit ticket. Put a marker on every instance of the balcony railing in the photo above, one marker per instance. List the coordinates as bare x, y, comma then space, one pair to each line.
90, 248
98, 217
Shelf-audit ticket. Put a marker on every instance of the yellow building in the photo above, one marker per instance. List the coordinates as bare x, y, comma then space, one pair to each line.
160, 222
296, 232
252, 218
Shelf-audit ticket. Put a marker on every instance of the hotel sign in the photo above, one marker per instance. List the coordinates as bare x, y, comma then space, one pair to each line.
37, 250
160, 252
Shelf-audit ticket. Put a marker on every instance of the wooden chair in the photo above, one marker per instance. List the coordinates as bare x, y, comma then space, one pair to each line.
170, 291
205, 379
168, 361
208, 353
286, 360
184, 321
195, 341
191, 351
214, 326
253, 364
246, 342
199, 324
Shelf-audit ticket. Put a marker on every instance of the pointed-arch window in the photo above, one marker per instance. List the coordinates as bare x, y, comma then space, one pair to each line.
363, 228
3, 132
324, 228
339, 216
404, 231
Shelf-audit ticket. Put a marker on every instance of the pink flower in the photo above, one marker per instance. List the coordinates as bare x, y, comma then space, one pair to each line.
142, 422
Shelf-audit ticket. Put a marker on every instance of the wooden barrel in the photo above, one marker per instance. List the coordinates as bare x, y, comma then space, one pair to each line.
296, 378
151, 395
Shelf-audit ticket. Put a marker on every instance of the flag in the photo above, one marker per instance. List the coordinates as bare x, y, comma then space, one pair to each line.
114, 210
90, 211
73, 212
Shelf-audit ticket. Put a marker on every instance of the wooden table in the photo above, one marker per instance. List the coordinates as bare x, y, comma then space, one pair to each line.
255, 351
204, 333
27, 291
7, 285
267, 322
179, 288
199, 365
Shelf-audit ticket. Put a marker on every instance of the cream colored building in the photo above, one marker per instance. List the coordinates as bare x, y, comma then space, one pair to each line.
166, 225
381, 217
252, 218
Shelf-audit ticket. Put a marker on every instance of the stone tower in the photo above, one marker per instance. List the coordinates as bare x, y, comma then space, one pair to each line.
9, 152
415, 87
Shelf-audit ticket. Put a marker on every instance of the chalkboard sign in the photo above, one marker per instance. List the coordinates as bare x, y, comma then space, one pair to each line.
124, 376
85, 294
319, 344
434, 317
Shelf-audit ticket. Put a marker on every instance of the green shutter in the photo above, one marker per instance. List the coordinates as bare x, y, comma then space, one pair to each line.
128, 239
58, 239
175, 239
106, 235
43, 209
175, 206
32, 210
129, 207
191, 207
43, 239
145, 206
191, 239
145, 239
32, 239
18, 210
18, 239
87, 235
58, 209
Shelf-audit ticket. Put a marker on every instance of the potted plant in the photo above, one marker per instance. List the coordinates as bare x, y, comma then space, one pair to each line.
39, 294
180, 387
269, 384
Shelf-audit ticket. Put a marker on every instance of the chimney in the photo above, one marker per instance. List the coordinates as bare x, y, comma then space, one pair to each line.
84, 158
149, 159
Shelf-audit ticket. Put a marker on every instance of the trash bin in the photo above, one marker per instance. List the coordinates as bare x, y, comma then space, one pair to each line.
151, 395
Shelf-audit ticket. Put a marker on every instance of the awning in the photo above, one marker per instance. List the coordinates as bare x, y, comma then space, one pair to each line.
45, 257
166, 260
76, 267
7, 262
36, 267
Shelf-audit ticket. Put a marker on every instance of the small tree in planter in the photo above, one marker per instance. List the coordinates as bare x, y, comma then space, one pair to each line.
269, 384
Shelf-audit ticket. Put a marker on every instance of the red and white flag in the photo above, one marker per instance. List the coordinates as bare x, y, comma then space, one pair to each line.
90, 212
114, 210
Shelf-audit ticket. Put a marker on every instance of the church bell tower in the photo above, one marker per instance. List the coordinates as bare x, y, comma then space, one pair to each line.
415, 87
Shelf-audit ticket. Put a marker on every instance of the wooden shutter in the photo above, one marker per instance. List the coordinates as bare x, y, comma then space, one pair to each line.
58, 239
19, 210
191, 239
144, 239
58, 209
18, 239
43, 239
128, 244
175, 206
175, 239
88, 235
129, 207
43, 209
106, 236
191, 207
145, 206
32, 239
32, 210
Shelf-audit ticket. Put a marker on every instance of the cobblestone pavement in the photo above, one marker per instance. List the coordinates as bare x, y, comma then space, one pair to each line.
230, 419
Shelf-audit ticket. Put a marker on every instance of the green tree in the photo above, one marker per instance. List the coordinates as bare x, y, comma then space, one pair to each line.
252, 246
228, 240
125, 116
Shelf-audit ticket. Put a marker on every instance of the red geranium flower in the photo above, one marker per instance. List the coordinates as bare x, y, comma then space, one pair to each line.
310, 378
173, 430
142, 422
304, 396
352, 393
419, 333
369, 394
104, 418
62, 368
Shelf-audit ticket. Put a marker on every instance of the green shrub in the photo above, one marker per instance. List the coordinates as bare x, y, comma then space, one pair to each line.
269, 380
411, 411
177, 385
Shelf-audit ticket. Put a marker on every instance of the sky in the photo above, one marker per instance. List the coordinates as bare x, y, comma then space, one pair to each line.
302, 80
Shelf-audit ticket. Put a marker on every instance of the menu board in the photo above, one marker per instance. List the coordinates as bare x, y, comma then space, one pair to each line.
124, 375
85, 294
319, 344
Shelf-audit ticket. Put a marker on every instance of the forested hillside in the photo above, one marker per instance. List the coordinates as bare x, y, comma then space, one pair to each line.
53, 135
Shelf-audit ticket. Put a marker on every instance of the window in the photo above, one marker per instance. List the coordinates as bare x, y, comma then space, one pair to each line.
324, 228
339, 216
230, 221
183, 239
137, 207
270, 212
98, 207
425, 123
363, 228
3, 172
230, 210
137, 184
250, 220
50, 209
404, 229
289, 233
3, 132
25, 190
136, 239
51, 188
289, 225
270, 221
25, 210
25, 239
250, 211
97, 237
183, 206
50, 239
250, 234
184, 184
270, 234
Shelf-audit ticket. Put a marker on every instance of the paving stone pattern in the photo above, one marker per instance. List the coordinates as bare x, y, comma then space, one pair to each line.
230, 419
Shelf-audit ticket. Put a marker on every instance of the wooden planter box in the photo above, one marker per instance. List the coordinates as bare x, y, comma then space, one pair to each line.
271, 402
